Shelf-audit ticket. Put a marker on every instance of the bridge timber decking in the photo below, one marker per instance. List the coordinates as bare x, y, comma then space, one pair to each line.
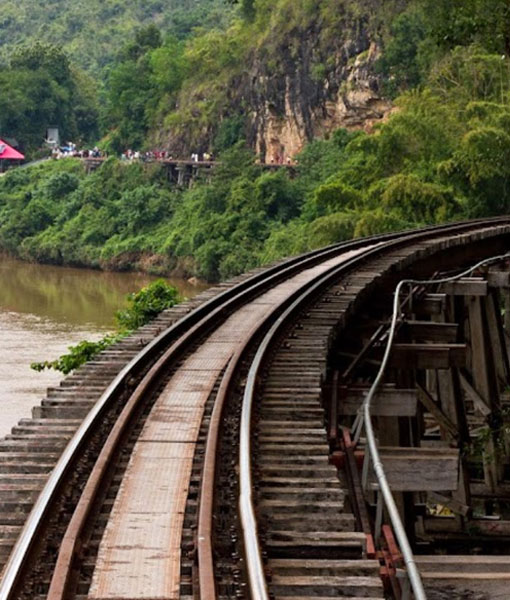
295, 455
140, 554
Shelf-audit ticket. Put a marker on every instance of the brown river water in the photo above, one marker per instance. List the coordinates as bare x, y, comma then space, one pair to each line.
45, 309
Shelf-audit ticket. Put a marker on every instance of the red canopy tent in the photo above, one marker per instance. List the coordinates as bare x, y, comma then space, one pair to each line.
8, 153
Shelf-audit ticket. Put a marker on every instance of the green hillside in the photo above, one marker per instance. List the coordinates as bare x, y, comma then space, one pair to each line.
441, 153
56, 58
93, 32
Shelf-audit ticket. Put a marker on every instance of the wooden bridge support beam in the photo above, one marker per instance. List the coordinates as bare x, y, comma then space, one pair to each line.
497, 336
484, 381
452, 350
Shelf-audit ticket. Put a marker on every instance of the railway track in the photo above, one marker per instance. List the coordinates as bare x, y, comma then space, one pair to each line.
143, 501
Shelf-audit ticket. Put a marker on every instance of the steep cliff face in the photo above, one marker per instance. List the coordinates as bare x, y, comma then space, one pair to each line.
297, 97
304, 71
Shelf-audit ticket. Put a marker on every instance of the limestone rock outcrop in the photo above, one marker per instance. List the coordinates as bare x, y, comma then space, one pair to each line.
298, 83
293, 105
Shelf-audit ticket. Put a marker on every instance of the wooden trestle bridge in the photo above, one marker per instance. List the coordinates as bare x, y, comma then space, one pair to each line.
212, 454
183, 173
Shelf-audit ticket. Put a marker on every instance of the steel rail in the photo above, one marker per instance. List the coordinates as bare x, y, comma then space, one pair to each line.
256, 578
205, 554
214, 307
374, 456
204, 528
199, 319
217, 305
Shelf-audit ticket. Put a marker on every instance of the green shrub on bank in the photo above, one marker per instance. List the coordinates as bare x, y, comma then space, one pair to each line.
146, 304
143, 306
77, 355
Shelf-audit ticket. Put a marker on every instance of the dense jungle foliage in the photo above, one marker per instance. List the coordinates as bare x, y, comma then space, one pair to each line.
66, 63
93, 32
443, 154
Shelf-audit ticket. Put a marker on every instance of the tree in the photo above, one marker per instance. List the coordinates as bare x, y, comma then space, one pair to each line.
29, 103
462, 22
247, 8
41, 88
400, 63
147, 38
133, 91
43, 57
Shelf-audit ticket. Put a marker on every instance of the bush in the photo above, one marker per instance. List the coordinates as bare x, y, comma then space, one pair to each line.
334, 197
144, 306
78, 355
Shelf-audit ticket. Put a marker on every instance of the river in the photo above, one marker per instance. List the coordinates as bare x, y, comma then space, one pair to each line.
45, 309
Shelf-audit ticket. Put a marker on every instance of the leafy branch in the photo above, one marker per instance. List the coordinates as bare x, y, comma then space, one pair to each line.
143, 306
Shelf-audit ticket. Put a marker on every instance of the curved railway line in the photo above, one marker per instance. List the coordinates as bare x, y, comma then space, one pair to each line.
215, 453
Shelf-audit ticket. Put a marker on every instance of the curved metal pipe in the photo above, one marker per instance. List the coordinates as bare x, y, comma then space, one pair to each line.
396, 521
29, 534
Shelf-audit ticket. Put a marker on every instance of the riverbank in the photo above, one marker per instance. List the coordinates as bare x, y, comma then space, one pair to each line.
129, 217
119, 218
44, 310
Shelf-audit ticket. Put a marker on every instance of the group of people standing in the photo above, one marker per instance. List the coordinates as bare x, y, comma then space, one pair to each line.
206, 157
277, 159
72, 151
148, 155
162, 155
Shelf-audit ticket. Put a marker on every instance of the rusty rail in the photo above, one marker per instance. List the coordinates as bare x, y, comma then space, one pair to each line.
179, 335
256, 576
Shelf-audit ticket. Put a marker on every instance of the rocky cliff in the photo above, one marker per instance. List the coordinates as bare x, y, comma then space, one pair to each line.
301, 79
320, 88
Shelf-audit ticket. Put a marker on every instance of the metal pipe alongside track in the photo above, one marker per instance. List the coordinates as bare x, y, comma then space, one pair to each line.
168, 348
